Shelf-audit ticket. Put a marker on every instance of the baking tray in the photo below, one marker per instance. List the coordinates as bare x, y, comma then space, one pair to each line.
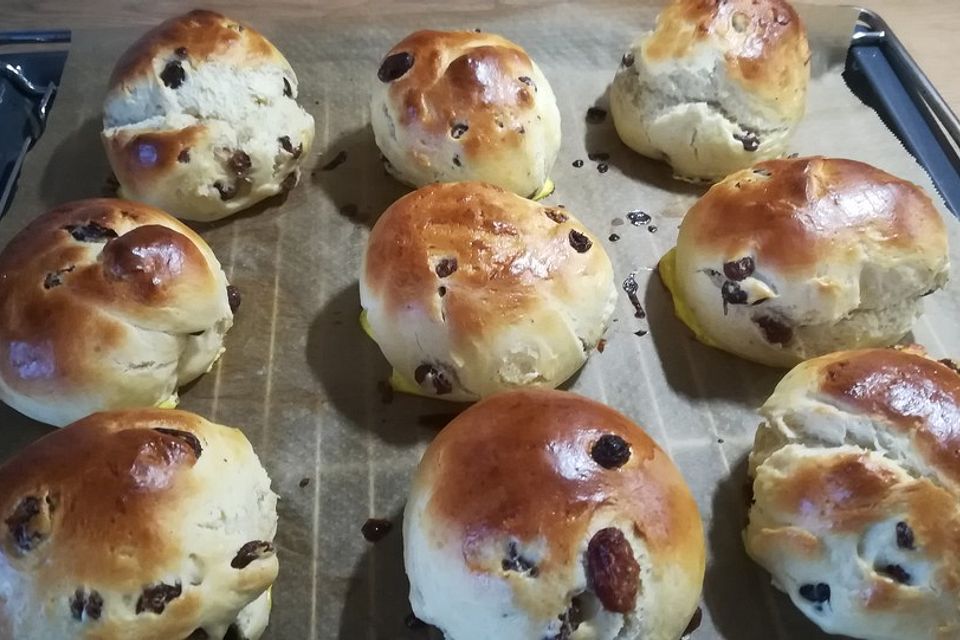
307, 386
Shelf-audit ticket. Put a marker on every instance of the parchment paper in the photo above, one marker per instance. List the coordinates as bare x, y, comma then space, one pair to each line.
305, 383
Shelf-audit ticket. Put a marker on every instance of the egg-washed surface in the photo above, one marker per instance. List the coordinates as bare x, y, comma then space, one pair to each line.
304, 381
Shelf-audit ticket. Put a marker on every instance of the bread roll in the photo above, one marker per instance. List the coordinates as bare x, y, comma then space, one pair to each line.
542, 514
470, 290
716, 87
107, 304
150, 524
856, 484
797, 258
201, 118
454, 106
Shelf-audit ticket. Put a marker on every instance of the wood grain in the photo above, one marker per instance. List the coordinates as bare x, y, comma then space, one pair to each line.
925, 26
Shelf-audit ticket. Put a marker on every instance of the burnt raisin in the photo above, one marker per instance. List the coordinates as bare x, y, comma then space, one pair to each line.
94, 605
774, 331
287, 146
287, 89
154, 598
739, 269
173, 74
227, 192
376, 529
77, 603
816, 593
90, 232
627, 59
596, 115
556, 215
395, 66
579, 242
233, 297
253, 550
517, 563
30, 522
184, 156
905, 538
457, 130
446, 267
191, 440
528, 81
55, 279
570, 620
429, 373
239, 163
610, 451
732, 294
749, 140
896, 572
612, 570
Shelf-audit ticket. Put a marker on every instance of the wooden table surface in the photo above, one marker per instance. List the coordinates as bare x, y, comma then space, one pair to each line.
925, 26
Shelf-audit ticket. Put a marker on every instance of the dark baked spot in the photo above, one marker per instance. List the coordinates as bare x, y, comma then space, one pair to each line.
579, 242
905, 538
81, 603
337, 160
287, 89
442, 291
596, 115
414, 623
173, 74
154, 598
227, 192
578, 163
750, 140
233, 297
694, 623
287, 146
251, 551
289, 182
528, 81
446, 267
395, 66
612, 570
239, 163
896, 572
555, 214
184, 156
739, 269
90, 232
55, 279
376, 529
94, 605
613, 237
514, 561
77, 603
816, 593
522, 130
457, 130
610, 451
627, 59
775, 331
732, 294
456, 161
191, 440
30, 523
429, 373
638, 218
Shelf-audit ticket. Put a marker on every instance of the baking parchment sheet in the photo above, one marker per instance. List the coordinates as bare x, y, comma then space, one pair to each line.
307, 386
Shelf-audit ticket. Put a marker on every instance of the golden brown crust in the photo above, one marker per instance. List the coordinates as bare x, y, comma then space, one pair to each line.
795, 213
764, 44
506, 248
466, 78
196, 36
539, 479
139, 160
54, 289
917, 395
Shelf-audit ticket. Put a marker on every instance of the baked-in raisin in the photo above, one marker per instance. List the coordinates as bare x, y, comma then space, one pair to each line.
775, 331
555, 214
184, 156
90, 232
253, 550
55, 279
516, 562
528, 81
456, 161
191, 440
287, 89
226, 191
816, 593
610, 451
233, 298
94, 605
30, 523
732, 294
896, 572
287, 146
905, 538
181, 52
446, 267
77, 603
579, 242
436, 377
457, 130
570, 620
154, 598
173, 74
612, 570
395, 66
739, 269
627, 59
750, 140
239, 163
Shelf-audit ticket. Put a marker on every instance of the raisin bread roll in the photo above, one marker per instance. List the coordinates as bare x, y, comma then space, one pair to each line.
150, 524
856, 484
470, 290
542, 514
716, 87
455, 106
107, 304
201, 118
797, 258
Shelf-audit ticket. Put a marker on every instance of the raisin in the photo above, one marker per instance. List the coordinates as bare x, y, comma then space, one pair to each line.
30, 522
446, 267
555, 214
627, 59
287, 89
578, 163
233, 298
456, 161
816, 593
896, 572
227, 192
441, 384
579, 242
610, 451
732, 294
184, 156
596, 115
287, 146
173, 74
395, 66
612, 571
952, 364
55, 279
90, 232
337, 160
191, 440
442, 291
570, 620
253, 550
94, 605
457, 130
739, 269
766, 173
528, 81
749, 140
155, 597
905, 538
77, 604
376, 529
239, 163
516, 562
774, 331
